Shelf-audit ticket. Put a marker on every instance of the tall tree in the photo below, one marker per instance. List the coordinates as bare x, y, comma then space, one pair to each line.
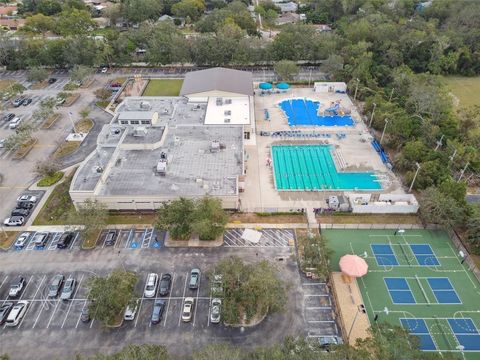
286, 69
90, 215
441, 209
176, 217
37, 74
209, 218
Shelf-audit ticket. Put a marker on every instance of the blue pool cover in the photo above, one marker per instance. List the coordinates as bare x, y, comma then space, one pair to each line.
303, 112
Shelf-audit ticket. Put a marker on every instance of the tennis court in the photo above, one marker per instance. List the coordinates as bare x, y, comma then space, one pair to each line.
416, 279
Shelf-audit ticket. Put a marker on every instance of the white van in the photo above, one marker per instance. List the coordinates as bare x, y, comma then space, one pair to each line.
17, 313
14, 122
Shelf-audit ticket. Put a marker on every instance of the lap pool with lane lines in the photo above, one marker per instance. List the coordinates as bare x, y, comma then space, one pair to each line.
311, 167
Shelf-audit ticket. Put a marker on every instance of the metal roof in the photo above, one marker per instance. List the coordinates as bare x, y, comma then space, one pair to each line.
221, 79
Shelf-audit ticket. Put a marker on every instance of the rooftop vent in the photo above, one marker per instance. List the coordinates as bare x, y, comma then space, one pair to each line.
228, 101
162, 168
140, 131
215, 146
145, 105
98, 169
219, 101
227, 112
227, 121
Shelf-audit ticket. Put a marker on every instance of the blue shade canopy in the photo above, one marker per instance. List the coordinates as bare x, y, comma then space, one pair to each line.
265, 86
283, 86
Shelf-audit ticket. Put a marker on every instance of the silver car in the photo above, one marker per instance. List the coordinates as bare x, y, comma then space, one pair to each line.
55, 286
215, 311
22, 240
68, 289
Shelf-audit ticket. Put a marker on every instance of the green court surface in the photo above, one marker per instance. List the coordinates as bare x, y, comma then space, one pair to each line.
163, 87
416, 279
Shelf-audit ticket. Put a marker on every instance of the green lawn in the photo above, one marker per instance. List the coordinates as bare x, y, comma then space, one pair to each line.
466, 89
163, 88
441, 318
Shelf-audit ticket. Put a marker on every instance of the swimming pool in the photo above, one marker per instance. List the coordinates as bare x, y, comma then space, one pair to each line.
311, 167
303, 112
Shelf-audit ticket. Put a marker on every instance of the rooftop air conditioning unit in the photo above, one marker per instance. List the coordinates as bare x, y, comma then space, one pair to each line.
145, 105
228, 101
215, 146
219, 102
226, 121
227, 112
140, 131
162, 168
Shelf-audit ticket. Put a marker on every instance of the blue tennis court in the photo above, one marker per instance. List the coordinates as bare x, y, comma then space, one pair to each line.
304, 112
419, 328
466, 333
384, 255
443, 290
399, 290
424, 255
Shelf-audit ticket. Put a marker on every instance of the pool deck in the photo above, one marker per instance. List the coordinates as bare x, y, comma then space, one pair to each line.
356, 151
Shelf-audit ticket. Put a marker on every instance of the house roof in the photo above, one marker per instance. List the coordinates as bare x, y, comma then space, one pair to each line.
6, 10
12, 23
221, 79
288, 7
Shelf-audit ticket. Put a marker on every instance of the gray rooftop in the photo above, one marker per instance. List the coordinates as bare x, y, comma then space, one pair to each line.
192, 169
221, 79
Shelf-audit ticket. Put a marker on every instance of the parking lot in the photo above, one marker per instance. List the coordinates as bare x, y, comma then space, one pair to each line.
308, 311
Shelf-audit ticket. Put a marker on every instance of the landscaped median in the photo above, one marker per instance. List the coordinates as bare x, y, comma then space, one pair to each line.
50, 180
7, 238
24, 149
52, 119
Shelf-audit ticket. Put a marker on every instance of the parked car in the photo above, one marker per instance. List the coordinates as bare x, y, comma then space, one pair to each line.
20, 212
2, 143
17, 102
17, 313
194, 279
14, 221
328, 342
151, 285
25, 205
158, 308
27, 102
215, 311
68, 288
104, 70
28, 198
165, 284
55, 286
188, 306
14, 122
65, 240
131, 311
8, 117
60, 101
52, 80
110, 238
16, 287
85, 315
40, 239
22, 240
5, 309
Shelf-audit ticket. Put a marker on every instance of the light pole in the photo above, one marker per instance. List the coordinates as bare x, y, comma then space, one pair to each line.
71, 120
391, 95
383, 132
453, 155
463, 171
371, 116
360, 309
356, 90
414, 177
439, 142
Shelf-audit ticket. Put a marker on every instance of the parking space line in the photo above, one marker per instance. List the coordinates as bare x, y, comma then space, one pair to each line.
57, 301
31, 244
127, 245
196, 300
169, 298
29, 306
319, 308
74, 240
80, 315
53, 243
321, 321
71, 301
184, 291
26, 286
3, 282
141, 302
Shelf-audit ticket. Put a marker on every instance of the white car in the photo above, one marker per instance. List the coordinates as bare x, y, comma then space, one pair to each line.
130, 312
22, 240
14, 122
14, 221
2, 143
215, 312
27, 198
151, 286
104, 70
17, 313
188, 306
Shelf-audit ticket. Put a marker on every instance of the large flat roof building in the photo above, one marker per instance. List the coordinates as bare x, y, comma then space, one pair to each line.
160, 148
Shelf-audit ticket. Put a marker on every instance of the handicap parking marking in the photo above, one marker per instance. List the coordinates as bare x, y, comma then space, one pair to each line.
31, 244
74, 242
54, 241
158, 238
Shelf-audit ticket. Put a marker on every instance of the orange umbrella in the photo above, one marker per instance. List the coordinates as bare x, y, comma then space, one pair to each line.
353, 265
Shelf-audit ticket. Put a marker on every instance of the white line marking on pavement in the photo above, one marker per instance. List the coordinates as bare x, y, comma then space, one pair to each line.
34, 296
71, 301
169, 298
